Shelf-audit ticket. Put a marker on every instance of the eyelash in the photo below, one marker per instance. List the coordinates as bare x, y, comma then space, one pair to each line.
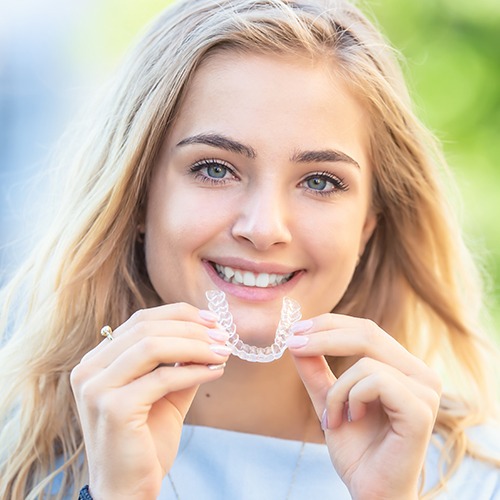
337, 183
197, 170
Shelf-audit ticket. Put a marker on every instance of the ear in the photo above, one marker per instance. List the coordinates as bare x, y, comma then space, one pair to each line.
140, 231
368, 228
141, 222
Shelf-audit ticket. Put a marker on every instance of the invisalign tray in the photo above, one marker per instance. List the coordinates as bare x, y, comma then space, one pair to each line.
290, 314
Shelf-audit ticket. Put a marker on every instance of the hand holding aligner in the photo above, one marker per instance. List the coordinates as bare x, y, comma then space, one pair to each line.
290, 314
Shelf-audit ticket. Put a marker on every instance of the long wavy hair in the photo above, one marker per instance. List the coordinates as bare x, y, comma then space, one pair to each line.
415, 278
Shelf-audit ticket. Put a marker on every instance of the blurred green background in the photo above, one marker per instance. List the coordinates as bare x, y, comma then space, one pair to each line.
451, 53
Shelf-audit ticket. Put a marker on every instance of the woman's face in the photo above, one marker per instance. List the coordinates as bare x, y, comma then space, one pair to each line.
262, 190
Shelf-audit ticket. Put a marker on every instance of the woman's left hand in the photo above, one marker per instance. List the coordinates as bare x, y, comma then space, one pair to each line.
379, 414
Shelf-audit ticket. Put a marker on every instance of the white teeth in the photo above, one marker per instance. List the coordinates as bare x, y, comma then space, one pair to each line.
228, 272
247, 278
262, 280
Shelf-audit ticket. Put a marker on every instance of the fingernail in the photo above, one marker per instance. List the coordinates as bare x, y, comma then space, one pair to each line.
301, 326
208, 316
219, 335
216, 367
221, 350
296, 341
324, 420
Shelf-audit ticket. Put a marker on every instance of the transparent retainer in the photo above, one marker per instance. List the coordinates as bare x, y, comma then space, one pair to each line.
290, 314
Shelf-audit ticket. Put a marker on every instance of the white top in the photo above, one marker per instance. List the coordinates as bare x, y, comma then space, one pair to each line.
214, 464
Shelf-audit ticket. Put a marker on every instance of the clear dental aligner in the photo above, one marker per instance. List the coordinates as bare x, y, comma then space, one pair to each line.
290, 314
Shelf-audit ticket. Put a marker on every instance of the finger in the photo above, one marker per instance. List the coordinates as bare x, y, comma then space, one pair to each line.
150, 352
138, 396
181, 401
340, 335
410, 417
154, 328
170, 381
178, 311
317, 378
342, 391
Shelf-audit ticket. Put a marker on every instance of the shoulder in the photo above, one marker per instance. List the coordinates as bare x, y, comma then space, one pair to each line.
475, 478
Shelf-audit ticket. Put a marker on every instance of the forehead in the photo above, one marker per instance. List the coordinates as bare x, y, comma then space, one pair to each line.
284, 99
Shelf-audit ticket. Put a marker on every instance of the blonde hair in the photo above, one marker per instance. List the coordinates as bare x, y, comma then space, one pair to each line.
415, 278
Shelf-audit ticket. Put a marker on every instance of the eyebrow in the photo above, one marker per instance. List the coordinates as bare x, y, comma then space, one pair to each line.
325, 155
224, 142
220, 141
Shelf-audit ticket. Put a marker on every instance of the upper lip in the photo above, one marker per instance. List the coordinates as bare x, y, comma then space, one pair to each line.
254, 267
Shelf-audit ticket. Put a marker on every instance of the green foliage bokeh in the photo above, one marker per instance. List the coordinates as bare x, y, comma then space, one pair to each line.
451, 53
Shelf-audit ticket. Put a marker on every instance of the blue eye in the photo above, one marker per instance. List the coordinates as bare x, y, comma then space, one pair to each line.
317, 183
216, 171
213, 171
324, 183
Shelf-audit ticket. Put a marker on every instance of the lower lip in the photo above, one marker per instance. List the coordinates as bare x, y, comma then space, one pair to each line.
252, 293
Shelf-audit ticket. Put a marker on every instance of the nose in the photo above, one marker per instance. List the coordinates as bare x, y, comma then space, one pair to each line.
263, 218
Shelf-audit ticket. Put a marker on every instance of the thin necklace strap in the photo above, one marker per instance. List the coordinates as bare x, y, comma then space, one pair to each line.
295, 470
176, 493
290, 486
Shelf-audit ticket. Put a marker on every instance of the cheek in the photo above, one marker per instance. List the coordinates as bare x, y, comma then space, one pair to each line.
181, 220
333, 233
333, 254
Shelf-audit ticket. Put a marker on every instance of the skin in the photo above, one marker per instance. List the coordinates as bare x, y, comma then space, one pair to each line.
265, 129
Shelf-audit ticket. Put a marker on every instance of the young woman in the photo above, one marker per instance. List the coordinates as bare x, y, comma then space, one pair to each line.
263, 149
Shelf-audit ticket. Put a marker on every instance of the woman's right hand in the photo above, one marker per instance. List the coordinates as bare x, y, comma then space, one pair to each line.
133, 393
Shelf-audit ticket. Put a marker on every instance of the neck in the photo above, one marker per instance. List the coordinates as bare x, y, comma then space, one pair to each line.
258, 398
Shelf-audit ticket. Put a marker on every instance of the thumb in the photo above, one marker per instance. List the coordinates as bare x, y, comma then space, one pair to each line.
317, 378
183, 399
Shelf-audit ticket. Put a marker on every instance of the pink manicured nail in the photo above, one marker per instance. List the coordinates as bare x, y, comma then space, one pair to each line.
221, 350
219, 335
208, 316
301, 326
324, 420
296, 341
216, 367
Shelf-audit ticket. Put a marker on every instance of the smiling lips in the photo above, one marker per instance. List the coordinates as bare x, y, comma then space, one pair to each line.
248, 278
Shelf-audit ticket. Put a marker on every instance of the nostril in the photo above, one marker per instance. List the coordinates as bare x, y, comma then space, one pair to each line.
262, 231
